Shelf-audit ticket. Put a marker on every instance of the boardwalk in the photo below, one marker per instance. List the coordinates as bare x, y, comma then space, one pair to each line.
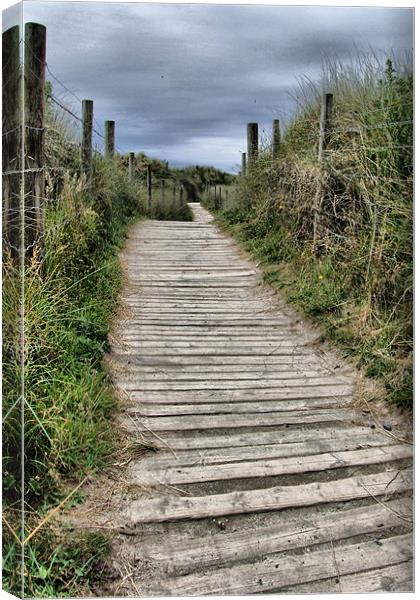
266, 478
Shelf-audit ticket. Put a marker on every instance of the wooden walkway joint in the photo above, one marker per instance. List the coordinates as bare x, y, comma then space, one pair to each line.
266, 478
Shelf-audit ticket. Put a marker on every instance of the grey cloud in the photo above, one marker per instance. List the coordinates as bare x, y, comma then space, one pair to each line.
183, 80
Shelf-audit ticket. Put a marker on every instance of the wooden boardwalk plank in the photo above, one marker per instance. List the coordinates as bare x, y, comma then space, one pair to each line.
230, 396
264, 576
176, 474
325, 441
309, 384
210, 359
276, 498
223, 421
185, 556
259, 436
165, 409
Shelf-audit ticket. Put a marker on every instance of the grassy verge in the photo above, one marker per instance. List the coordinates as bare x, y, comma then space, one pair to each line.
70, 295
355, 277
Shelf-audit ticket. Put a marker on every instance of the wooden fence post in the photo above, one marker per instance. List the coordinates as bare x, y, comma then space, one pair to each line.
109, 139
181, 195
174, 193
220, 198
149, 186
325, 124
162, 191
34, 139
252, 140
87, 127
130, 166
243, 171
12, 142
276, 139
324, 139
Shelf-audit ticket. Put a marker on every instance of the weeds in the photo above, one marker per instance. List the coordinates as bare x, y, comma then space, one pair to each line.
69, 298
54, 564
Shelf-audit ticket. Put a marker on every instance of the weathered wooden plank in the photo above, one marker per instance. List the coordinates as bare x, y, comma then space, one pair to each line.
152, 409
148, 374
193, 314
227, 356
265, 576
199, 440
303, 383
269, 467
203, 303
337, 440
226, 396
275, 498
188, 422
138, 341
193, 330
264, 345
213, 285
178, 371
211, 360
186, 268
137, 382
191, 294
211, 321
197, 275
181, 556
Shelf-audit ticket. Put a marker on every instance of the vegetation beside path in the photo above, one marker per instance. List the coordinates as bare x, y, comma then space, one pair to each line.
356, 278
70, 294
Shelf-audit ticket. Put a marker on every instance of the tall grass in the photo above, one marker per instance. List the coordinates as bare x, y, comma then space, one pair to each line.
70, 295
355, 277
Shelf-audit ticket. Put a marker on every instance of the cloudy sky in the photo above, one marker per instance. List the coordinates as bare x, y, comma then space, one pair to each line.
182, 81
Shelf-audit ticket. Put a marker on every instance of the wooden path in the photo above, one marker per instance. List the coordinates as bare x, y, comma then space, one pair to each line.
266, 478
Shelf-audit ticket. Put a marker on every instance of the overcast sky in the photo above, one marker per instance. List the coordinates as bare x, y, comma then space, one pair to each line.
182, 81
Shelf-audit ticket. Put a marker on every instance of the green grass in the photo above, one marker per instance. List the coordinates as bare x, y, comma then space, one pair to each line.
71, 295
61, 565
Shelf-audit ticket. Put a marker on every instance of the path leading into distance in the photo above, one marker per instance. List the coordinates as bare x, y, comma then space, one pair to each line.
266, 478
